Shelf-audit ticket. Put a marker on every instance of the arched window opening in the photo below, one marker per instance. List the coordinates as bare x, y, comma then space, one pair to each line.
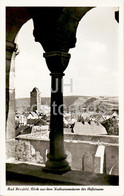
31, 73
93, 71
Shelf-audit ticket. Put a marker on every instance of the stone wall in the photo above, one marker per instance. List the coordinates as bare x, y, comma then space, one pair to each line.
25, 151
81, 154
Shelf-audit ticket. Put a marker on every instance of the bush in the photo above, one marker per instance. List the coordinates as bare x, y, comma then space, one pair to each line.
111, 126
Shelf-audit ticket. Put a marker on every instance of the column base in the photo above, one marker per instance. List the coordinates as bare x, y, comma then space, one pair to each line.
57, 167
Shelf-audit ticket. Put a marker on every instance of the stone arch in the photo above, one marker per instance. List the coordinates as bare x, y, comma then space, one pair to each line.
15, 18
60, 34
64, 37
64, 20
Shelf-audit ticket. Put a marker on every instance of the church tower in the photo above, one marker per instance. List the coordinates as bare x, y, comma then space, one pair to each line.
35, 100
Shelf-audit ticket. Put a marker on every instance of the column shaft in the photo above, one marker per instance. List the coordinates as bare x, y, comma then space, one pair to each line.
56, 122
56, 163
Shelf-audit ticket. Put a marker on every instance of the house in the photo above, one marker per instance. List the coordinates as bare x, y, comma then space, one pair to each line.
32, 115
32, 118
21, 119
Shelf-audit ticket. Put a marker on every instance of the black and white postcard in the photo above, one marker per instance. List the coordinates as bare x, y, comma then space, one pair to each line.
61, 81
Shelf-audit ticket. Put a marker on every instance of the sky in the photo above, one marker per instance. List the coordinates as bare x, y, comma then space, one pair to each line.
93, 69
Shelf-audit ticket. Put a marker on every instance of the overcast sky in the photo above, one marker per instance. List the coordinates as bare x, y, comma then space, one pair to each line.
93, 67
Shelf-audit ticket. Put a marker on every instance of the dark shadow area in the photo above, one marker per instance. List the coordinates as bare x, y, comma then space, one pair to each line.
18, 179
24, 174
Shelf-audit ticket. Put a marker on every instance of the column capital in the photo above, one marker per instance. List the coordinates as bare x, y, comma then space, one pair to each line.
57, 61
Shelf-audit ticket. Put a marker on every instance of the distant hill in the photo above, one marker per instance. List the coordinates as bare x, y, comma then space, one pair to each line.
89, 101
105, 103
68, 100
84, 101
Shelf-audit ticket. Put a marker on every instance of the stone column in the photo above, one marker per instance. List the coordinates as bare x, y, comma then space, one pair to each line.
11, 52
57, 63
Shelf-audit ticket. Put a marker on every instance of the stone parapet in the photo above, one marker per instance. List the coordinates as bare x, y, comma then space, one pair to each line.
81, 154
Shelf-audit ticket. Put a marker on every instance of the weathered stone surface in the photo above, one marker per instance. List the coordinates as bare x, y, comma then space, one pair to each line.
110, 139
88, 164
77, 148
38, 159
111, 158
26, 152
10, 125
10, 149
32, 150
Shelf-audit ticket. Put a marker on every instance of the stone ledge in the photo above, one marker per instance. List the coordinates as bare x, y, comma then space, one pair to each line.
70, 178
110, 139
93, 140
